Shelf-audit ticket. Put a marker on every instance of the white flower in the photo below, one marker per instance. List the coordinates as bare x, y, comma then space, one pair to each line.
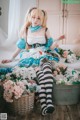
25, 82
71, 75
24, 72
71, 58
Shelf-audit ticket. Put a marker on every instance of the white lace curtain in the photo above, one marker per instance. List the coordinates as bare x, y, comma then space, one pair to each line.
13, 24
14, 18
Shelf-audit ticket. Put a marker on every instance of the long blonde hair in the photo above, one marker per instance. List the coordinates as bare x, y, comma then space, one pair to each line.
27, 22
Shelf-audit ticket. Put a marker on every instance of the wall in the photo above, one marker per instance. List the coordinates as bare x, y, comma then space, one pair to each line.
62, 19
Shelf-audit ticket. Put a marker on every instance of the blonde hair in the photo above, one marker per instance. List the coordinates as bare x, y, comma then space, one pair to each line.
27, 22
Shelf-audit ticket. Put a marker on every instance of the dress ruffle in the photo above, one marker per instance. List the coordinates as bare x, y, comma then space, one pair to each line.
34, 56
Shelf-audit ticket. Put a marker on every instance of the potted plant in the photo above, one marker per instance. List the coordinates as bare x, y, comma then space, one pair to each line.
66, 90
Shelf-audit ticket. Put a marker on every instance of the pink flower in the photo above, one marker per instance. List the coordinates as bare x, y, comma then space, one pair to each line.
21, 84
58, 69
18, 91
8, 96
55, 73
32, 81
62, 66
7, 85
65, 54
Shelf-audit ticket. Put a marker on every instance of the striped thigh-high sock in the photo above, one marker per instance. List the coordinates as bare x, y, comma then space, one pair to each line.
47, 70
42, 92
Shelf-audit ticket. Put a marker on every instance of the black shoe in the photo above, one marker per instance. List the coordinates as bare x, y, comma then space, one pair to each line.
50, 109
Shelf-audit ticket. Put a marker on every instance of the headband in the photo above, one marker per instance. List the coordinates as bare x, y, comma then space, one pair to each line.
36, 8
32, 9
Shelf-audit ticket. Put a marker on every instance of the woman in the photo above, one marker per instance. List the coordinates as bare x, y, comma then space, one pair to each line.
35, 47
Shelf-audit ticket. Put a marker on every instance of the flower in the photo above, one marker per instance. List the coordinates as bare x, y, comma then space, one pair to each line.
11, 89
69, 56
60, 69
65, 54
65, 75
18, 82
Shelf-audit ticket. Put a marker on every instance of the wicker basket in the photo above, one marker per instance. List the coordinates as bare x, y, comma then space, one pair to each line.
23, 105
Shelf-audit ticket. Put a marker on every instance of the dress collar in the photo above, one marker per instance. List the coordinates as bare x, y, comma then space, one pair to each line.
36, 28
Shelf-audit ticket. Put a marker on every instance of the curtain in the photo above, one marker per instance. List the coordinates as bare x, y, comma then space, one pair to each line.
14, 18
13, 25
17, 11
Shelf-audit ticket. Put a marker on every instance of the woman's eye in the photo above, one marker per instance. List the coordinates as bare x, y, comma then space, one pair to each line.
38, 18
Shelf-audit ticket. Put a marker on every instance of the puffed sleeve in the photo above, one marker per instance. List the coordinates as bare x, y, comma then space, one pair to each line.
49, 42
21, 43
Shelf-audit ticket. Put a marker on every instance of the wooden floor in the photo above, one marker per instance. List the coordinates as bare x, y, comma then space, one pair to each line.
71, 112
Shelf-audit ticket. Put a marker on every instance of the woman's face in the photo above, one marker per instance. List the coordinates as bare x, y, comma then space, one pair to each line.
35, 20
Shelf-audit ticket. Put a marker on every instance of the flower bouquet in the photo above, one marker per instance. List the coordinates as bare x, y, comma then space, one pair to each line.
68, 55
66, 75
19, 88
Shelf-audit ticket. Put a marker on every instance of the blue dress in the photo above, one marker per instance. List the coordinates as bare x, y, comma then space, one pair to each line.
37, 51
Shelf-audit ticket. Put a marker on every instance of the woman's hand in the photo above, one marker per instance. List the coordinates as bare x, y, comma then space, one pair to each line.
6, 61
61, 37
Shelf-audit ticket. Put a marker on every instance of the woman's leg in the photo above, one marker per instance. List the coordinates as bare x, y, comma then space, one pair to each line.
48, 77
42, 92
